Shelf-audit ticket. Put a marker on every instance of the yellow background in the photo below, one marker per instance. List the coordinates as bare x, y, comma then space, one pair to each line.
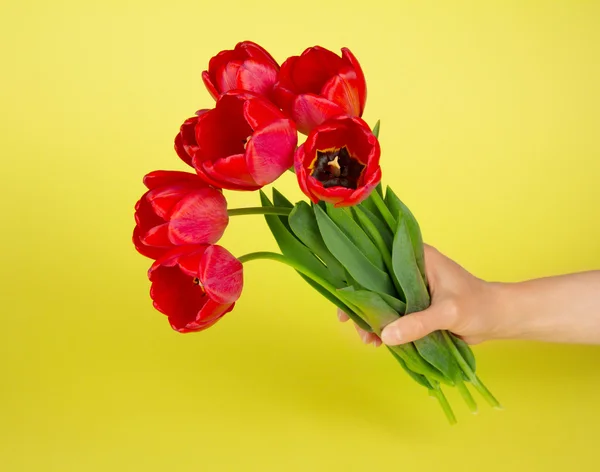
490, 119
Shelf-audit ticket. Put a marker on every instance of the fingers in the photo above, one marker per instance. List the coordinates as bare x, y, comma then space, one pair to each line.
367, 338
343, 317
417, 325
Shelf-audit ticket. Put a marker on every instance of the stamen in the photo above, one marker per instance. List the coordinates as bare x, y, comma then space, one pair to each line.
335, 167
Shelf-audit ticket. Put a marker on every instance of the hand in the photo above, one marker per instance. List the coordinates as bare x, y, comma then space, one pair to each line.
460, 302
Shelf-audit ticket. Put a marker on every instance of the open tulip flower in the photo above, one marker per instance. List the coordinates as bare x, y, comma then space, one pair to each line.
244, 143
319, 85
195, 286
339, 162
355, 243
247, 67
179, 208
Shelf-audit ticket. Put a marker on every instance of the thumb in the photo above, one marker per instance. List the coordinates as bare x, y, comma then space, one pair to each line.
415, 326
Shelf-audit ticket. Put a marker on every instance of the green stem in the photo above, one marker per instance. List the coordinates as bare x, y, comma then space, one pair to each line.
467, 397
259, 211
273, 256
436, 391
384, 210
477, 383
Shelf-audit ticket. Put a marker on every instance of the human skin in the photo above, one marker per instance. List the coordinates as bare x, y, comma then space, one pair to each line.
562, 309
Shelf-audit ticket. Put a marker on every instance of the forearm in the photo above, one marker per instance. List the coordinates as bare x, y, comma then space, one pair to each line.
555, 309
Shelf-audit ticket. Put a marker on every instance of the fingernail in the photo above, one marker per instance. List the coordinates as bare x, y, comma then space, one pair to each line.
364, 336
391, 336
341, 315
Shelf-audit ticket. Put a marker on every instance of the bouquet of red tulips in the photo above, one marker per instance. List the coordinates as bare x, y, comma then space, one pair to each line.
356, 245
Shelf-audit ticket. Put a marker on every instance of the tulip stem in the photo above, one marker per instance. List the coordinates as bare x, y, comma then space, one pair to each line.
259, 211
384, 210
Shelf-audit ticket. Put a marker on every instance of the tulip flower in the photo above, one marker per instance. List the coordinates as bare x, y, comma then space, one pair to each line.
247, 67
179, 208
244, 143
339, 162
319, 85
195, 286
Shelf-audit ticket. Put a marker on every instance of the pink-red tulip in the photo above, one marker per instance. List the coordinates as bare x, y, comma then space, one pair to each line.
319, 85
195, 286
339, 162
179, 208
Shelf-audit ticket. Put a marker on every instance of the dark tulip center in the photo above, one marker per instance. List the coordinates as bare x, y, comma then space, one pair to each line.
336, 168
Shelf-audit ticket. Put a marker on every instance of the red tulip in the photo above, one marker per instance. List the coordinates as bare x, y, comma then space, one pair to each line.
339, 162
178, 209
195, 286
244, 143
319, 85
247, 67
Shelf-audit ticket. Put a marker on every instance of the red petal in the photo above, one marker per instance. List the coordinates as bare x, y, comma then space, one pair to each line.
363, 191
309, 111
163, 199
313, 68
255, 51
214, 93
330, 195
226, 76
361, 82
148, 251
256, 76
157, 237
185, 141
221, 274
160, 178
229, 172
259, 112
342, 89
270, 152
199, 218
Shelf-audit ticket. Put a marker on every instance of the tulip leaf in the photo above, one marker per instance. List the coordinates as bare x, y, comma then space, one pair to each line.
382, 228
279, 200
434, 351
406, 270
337, 302
420, 379
343, 219
376, 311
398, 305
291, 247
378, 314
355, 262
376, 128
303, 223
398, 208
465, 351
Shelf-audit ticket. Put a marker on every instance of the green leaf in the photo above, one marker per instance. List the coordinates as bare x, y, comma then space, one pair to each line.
398, 208
433, 350
376, 128
377, 313
280, 201
303, 223
342, 218
291, 247
382, 228
398, 305
465, 351
406, 270
420, 379
355, 262
337, 302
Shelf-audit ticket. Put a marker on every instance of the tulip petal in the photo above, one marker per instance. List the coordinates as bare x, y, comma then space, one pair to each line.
159, 178
313, 68
185, 141
157, 236
270, 152
199, 218
259, 112
309, 111
361, 84
229, 172
214, 93
144, 250
163, 199
221, 275
342, 89
256, 76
